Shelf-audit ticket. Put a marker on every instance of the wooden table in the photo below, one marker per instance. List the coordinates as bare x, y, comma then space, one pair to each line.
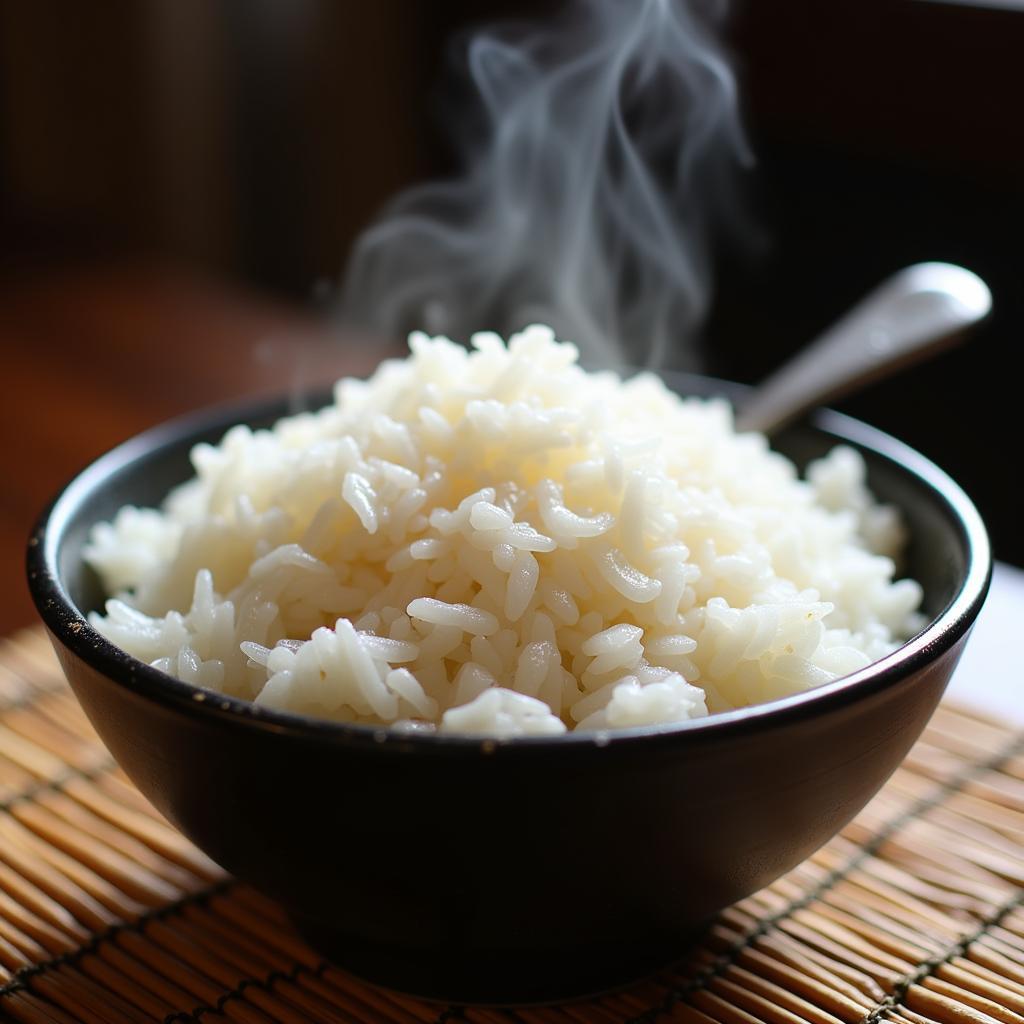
89, 357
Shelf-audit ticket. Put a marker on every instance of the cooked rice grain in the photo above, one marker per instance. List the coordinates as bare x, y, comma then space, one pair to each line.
496, 541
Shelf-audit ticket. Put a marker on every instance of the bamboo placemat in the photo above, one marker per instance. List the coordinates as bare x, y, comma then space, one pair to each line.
915, 913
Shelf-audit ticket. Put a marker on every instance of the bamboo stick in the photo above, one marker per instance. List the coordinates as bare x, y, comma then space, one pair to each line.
971, 997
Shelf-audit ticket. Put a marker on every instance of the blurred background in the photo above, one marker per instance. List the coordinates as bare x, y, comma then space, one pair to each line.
181, 180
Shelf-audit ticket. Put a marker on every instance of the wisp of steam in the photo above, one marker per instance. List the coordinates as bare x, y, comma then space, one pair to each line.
606, 147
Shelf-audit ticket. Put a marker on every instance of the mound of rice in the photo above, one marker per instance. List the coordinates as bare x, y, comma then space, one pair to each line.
496, 541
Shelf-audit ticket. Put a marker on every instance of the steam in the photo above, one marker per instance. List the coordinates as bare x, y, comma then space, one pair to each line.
604, 154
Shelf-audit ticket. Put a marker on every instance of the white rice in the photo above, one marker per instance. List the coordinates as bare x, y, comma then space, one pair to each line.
495, 541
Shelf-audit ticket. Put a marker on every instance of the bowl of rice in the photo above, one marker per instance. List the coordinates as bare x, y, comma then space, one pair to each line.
503, 675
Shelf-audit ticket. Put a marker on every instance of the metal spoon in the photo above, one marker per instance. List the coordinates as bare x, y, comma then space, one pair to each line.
906, 318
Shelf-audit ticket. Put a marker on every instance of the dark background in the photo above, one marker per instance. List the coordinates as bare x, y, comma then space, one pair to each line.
239, 146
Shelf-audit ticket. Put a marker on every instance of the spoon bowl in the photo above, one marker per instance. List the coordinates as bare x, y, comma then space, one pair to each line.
904, 320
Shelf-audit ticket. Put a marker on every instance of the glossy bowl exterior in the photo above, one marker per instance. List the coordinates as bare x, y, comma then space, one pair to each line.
479, 870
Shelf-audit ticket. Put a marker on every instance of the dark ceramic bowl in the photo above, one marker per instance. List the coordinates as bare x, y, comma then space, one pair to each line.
527, 870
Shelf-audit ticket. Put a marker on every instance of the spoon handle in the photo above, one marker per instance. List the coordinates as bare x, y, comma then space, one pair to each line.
904, 319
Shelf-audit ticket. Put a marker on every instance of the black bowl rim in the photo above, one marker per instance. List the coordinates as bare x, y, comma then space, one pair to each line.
67, 623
